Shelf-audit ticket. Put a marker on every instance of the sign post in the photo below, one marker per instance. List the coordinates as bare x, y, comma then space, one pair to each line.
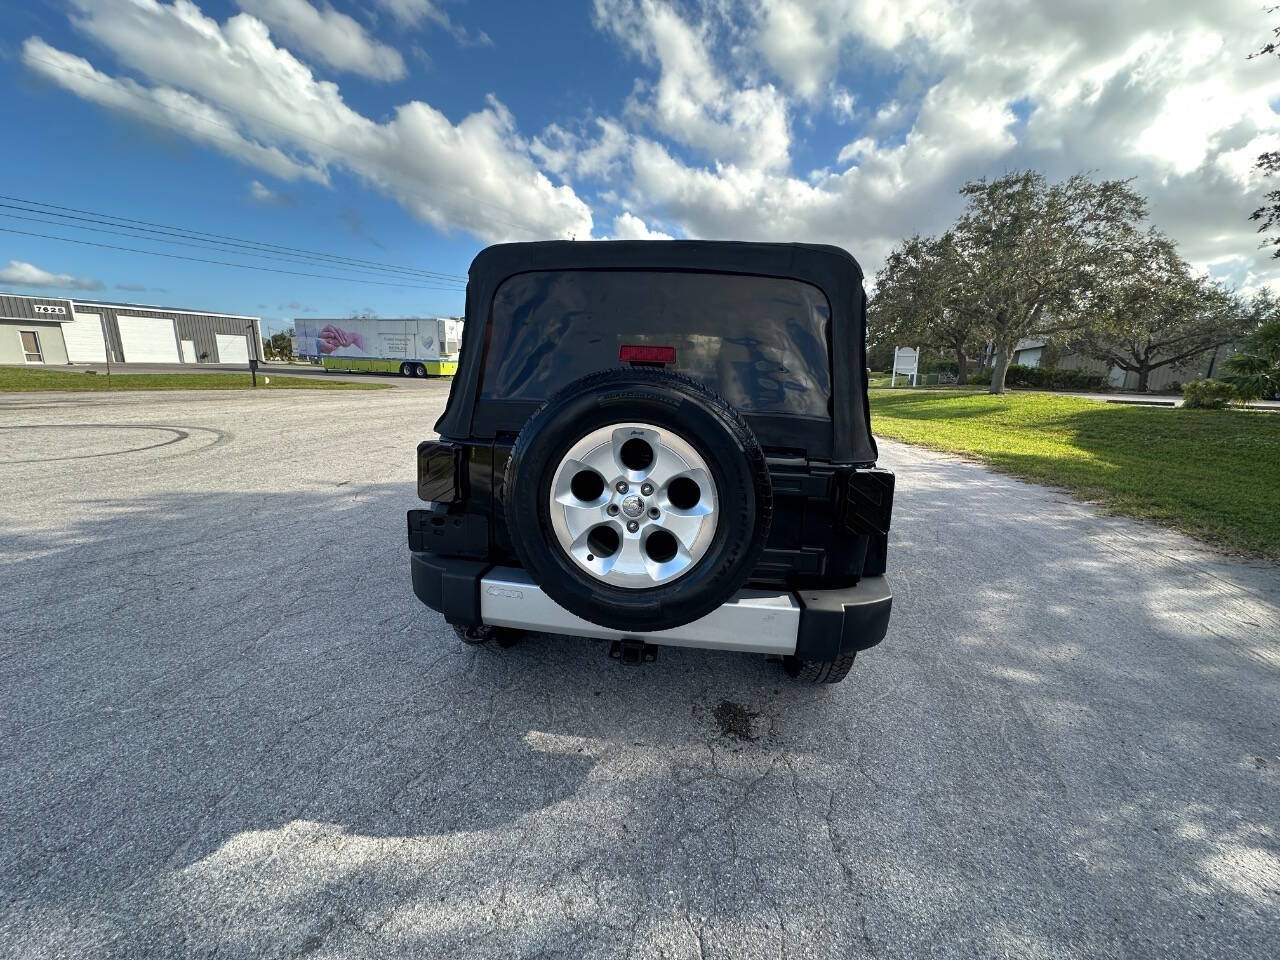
253, 358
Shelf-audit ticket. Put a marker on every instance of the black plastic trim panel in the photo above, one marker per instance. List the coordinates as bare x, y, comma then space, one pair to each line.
457, 534
836, 622
449, 585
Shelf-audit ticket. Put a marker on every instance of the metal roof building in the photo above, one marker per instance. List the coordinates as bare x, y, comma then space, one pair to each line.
57, 330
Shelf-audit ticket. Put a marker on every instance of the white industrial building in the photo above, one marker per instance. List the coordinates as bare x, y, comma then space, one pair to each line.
55, 331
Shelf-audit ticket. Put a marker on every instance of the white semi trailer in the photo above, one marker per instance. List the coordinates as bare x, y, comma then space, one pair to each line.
412, 347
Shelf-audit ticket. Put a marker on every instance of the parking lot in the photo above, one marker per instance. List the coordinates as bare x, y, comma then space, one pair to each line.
229, 727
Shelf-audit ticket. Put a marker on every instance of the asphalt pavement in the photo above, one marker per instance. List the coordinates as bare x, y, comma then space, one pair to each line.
228, 728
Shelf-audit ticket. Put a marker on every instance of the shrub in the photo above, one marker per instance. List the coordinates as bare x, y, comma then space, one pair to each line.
938, 366
1207, 394
1051, 378
1045, 378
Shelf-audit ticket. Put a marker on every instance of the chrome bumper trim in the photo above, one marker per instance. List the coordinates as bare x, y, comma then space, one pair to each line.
753, 621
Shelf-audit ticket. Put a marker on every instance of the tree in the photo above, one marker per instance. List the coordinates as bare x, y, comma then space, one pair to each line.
1031, 259
1157, 313
1268, 215
279, 346
911, 304
1026, 259
1255, 371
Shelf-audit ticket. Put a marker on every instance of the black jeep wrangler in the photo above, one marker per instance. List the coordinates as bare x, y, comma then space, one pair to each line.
660, 443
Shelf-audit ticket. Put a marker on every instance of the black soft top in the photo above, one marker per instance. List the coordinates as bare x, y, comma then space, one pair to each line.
834, 271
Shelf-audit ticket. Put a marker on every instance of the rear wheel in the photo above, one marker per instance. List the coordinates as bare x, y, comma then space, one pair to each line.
419, 370
637, 499
475, 636
818, 671
406, 370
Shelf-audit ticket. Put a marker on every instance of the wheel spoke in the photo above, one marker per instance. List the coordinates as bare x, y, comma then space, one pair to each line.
684, 527
601, 459
563, 492
630, 555
666, 465
669, 568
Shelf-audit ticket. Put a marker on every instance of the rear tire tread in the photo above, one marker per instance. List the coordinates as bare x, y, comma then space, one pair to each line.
819, 671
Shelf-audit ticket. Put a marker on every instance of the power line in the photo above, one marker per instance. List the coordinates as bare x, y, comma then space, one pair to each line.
536, 231
147, 226
202, 245
223, 263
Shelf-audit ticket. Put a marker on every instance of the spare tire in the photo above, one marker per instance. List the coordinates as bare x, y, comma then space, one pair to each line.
637, 499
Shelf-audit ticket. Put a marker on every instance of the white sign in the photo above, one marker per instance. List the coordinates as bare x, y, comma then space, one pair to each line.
906, 361
49, 308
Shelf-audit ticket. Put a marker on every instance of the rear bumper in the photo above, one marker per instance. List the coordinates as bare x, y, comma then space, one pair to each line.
812, 624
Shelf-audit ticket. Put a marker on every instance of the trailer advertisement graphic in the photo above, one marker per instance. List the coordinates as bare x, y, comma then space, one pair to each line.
398, 339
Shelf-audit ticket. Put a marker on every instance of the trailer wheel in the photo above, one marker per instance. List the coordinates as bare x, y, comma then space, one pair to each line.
406, 370
419, 370
637, 499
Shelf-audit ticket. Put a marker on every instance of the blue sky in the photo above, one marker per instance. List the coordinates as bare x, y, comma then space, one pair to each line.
414, 132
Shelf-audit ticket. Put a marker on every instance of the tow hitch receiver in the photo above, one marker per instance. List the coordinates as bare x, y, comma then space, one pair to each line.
632, 652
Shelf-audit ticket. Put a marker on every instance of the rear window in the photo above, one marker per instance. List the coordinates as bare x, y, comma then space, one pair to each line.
760, 342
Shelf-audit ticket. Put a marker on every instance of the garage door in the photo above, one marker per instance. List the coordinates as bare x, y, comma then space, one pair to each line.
83, 337
148, 340
232, 348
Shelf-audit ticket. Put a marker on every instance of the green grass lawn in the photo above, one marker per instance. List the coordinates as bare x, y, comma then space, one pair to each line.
18, 379
1214, 474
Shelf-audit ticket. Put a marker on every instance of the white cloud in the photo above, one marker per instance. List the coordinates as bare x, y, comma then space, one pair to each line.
932, 92
692, 101
19, 273
231, 87
1157, 91
843, 103
628, 226
570, 155
886, 193
261, 193
415, 13
333, 37
165, 107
